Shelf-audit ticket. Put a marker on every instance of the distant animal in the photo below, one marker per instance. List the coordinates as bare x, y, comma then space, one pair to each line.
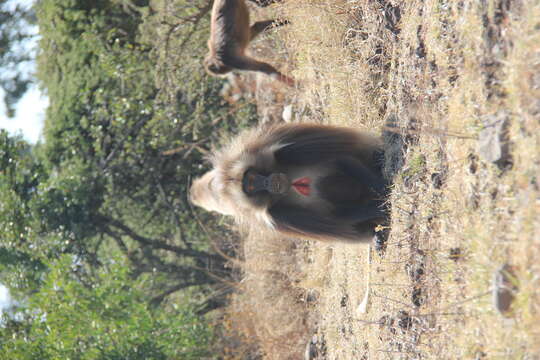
230, 34
304, 180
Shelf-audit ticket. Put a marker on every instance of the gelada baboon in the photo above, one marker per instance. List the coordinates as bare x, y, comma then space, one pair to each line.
230, 35
306, 180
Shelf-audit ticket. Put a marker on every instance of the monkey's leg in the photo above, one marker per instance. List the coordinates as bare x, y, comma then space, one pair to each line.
261, 26
364, 231
359, 171
250, 64
363, 213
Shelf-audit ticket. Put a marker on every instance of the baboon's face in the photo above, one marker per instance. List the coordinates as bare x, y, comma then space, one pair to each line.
235, 187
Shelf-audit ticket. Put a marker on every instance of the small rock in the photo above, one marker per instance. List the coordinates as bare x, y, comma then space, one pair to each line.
416, 297
455, 254
315, 348
416, 267
311, 349
492, 140
473, 163
404, 320
503, 289
287, 114
437, 180
344, 300
312, 296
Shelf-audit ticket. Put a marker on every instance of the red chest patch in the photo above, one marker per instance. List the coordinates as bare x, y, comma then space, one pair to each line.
302, 185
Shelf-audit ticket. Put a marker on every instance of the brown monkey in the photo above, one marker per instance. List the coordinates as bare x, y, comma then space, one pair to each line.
306, 180
230, 35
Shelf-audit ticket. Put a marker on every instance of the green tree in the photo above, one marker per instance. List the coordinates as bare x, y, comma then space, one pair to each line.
106, 316
131, 117
21, 172
122, 150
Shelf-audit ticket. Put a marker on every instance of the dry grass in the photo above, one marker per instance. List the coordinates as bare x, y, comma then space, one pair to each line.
343, 80
440, 68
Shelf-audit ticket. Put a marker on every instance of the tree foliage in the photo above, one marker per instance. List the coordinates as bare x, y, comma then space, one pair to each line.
131, 117
103, 317
123, 151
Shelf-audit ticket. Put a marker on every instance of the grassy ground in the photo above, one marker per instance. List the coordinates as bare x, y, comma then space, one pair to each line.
440, 71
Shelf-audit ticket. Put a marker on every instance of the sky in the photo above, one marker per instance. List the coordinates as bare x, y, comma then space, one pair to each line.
28, 121
29, 116
5, 299
30, 111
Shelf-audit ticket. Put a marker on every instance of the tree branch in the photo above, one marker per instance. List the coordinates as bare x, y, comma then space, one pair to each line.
154, 243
